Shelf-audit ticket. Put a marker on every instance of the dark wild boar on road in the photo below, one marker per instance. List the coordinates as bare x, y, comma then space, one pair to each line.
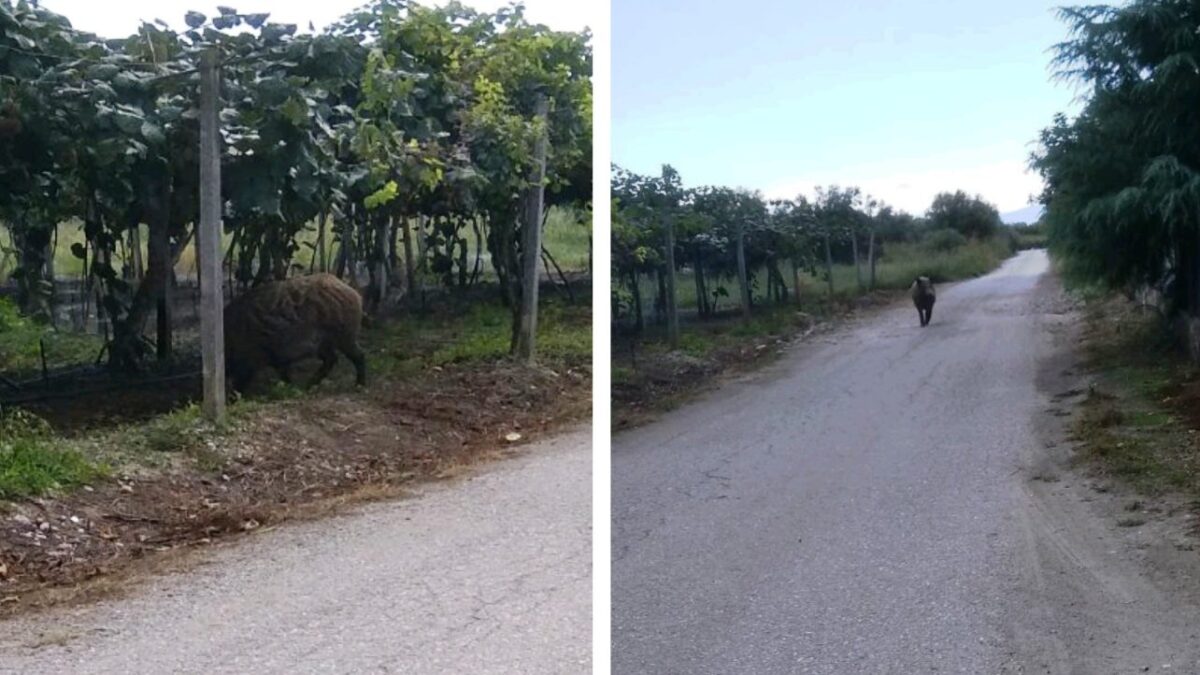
283, 322
923, 297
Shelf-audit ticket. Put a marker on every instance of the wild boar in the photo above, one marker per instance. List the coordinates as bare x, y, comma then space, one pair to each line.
282, 322
923, 297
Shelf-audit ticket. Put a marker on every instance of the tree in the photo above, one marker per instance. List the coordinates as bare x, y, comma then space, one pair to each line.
839, 216
1122, 181
795, 222
653, 205
516, 67
738, 215
970, 216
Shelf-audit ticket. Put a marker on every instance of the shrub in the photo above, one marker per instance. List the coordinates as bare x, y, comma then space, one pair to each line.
944, 240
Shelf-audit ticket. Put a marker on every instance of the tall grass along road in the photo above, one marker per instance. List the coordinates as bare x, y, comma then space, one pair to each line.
885, 501
489, 577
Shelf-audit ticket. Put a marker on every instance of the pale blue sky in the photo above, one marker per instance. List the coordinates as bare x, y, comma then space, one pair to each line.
905, 99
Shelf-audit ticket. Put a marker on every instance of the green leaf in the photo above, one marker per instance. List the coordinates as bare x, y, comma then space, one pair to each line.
103, 71
194, 19
382, 196
128, 123
152, 132
295, 111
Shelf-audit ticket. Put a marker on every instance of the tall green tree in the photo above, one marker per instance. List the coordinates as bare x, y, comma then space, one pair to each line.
970, 216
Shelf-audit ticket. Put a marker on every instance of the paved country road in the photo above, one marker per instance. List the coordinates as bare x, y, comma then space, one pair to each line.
486, 575
870, 504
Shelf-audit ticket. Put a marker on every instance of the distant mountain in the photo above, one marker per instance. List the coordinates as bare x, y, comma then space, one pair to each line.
1029, 214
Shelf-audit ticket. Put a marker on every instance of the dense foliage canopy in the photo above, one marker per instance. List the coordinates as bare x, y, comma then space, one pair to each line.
397, 117
1122, 178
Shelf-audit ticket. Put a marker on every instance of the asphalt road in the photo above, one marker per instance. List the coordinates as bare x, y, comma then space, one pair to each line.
868, 505
486, 575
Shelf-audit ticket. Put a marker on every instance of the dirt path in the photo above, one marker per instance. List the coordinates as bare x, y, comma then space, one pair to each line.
892, 499
487, 575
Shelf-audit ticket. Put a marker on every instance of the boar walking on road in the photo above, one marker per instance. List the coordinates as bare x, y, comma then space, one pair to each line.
283, 322
923, 297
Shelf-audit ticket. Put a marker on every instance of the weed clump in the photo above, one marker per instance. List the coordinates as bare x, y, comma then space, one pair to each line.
32, 464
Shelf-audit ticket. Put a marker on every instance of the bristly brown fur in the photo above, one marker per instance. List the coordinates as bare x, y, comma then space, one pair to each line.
280, 323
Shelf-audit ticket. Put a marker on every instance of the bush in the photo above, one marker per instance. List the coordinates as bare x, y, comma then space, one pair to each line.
944, 240
1029, 236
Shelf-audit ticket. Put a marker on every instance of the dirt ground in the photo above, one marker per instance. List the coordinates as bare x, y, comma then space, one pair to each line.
293, 459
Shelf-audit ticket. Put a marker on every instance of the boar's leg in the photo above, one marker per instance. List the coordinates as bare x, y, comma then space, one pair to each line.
328, 356
240, 377
281, 366
352, 352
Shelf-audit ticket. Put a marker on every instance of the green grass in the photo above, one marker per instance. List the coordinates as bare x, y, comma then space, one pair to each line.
903, 262
1149, 419
703, 339
29, 468
485, 334
1138, 423
32, 464
173, 431
21, 339
567, 239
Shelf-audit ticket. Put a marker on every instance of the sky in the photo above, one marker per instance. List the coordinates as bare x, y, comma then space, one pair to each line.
118, 19
902, 98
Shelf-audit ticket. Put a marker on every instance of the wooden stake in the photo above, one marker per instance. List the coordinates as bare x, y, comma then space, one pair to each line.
672, 310
531, 246
743, 278
212, 332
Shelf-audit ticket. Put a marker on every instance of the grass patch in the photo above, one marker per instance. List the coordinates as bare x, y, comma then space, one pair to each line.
485, 334
30, 462
171, 432
1134, 425
181, 432
29, 468
21, 342
703, 339
903, 262
568, 238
